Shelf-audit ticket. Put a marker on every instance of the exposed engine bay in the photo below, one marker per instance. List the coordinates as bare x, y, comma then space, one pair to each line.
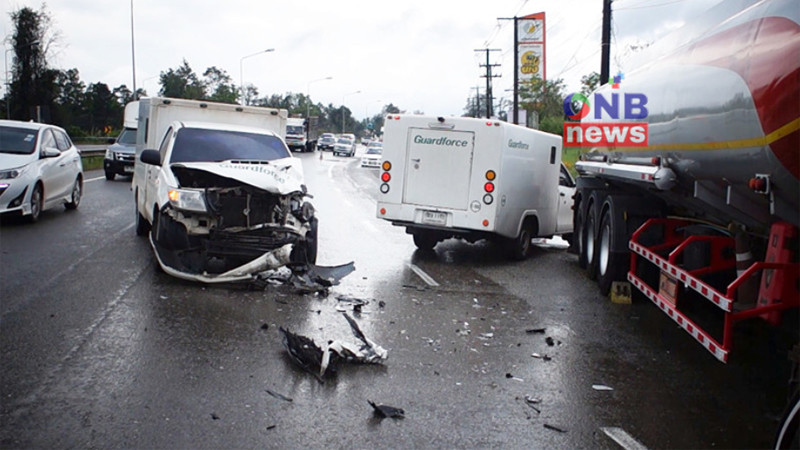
233, 230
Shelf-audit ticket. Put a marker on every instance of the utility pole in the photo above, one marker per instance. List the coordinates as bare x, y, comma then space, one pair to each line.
488, 77
605, 56
477, 101
515, 115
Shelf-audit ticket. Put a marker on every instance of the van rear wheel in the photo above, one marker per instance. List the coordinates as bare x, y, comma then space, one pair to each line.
519, 248
425, 241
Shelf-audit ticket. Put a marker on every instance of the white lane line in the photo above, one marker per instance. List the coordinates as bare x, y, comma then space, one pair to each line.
94, 179
369, 225
425, 277
622, 438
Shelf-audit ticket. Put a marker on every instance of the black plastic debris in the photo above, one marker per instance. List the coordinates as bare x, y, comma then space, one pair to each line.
535, 330
554, 428
550, 341
279, 396
311, 278
214, 416
321, 362
304, 352
387, 411
532, 402
265, 326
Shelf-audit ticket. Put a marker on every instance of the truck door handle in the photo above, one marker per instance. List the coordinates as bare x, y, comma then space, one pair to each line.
415, 160
562, 194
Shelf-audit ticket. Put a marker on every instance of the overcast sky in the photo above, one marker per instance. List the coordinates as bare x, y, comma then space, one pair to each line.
416, 54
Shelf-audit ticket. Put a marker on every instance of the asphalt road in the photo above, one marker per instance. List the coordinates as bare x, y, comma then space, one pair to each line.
101, 350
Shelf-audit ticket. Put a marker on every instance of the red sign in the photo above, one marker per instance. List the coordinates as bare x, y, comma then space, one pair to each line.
605, 134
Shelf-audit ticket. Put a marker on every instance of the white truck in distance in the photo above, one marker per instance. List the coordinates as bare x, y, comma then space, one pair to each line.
296, 134
219, 189
474, 179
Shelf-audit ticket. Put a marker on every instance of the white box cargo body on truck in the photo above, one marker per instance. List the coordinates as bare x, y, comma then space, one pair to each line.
474, 179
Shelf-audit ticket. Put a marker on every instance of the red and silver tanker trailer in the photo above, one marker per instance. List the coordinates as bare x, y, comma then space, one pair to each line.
708, 208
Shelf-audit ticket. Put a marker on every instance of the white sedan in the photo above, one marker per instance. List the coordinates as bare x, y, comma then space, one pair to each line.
40, 168
372, 157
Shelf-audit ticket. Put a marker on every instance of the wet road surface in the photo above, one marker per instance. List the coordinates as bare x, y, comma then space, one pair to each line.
99, 349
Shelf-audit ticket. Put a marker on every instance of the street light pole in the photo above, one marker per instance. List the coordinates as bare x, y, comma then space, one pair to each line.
345, 95
133, 55
241, 74
308, 95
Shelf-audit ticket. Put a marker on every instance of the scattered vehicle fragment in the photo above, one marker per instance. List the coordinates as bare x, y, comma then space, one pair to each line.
387, 411
310, 278
473, 179
279, 396
602, 387
322, 362
535, 330
554, 428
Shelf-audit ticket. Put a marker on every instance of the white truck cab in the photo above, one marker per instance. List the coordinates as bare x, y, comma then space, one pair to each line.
474, 179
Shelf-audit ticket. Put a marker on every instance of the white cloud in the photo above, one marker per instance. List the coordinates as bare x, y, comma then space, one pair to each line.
416, 54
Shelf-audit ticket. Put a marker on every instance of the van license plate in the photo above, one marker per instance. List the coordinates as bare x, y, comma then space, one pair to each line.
434, 218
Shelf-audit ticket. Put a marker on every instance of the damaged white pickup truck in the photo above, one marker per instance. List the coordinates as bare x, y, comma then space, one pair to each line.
224, 203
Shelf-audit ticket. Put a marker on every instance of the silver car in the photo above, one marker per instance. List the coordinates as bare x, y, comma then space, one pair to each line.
40, 168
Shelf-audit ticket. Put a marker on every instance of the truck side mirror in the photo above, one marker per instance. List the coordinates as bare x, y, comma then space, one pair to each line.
151, 157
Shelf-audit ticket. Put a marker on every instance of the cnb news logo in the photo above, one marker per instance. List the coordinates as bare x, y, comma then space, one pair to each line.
628, 106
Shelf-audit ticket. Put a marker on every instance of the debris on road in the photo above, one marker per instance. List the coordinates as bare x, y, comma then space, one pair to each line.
387, 411
312, 278
214, 416
535, 330
554, 428
531, 402
544, 357
550, 341
317, 361
601, 387
512, 377
279, 396
265, 326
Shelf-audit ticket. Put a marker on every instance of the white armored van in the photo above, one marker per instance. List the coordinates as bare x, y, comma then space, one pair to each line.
474, 179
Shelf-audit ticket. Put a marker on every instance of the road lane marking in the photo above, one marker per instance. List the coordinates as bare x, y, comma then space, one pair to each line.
425, 277
622, 438
94, 179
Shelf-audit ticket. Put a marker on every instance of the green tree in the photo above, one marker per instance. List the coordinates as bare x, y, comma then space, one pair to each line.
182, 82
102, 108
68, 110
32, 89
219, 86
589, 83
545, 99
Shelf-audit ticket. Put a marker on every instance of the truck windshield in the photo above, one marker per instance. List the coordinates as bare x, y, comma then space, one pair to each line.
294, 129
201, 145
127, 136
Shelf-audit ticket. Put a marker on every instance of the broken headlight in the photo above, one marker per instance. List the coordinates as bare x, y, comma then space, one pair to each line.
187, 200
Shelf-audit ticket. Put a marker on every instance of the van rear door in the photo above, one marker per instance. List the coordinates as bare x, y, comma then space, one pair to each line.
439, 167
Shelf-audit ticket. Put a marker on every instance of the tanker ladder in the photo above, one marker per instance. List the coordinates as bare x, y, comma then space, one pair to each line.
673, 253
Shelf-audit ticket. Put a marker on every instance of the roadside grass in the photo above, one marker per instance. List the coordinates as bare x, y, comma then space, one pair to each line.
92, 162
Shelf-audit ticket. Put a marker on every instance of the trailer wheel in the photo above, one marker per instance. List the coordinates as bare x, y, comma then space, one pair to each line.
579, 235
611, 266
787, 436
588, 250
425, 241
